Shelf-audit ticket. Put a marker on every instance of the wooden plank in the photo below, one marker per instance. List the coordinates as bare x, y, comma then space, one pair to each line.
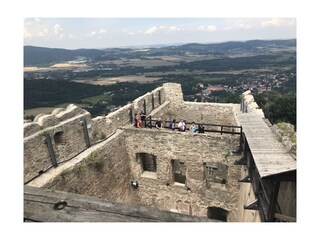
39, 206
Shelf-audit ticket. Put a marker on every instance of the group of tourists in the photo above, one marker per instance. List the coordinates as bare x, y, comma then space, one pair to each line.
140, 118
182, 126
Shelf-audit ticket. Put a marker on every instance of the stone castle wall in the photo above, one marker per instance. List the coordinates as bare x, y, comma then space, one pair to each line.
108, 171
105, 173
160, 191
211, 113
65, 130
66, 134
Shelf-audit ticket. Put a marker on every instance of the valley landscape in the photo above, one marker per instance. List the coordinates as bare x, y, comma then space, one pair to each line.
102, 80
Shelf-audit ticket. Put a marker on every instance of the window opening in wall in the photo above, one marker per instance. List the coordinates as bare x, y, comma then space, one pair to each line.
216, 172
148, 164
59, 138
179, 171
217, 213
211, 169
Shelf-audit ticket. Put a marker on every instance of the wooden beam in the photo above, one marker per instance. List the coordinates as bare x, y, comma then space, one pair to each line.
254, 205
272, 205
290, 176
51, 150
241, 161
44, 205
246, 179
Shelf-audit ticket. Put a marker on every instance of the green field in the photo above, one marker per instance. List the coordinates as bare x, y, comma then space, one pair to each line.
95, 99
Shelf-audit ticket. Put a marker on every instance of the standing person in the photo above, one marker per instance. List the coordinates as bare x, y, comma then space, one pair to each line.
172, 124
138, 120
182, 126
201, 128
143, 119
159, 123
193, 127
135, 121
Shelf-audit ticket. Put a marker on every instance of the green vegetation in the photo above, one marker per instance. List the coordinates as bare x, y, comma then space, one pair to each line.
44, 93
49, 93
278, 107
95, 162
288, 131
96, 99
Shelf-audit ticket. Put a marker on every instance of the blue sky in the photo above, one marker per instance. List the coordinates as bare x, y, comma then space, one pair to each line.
73, 33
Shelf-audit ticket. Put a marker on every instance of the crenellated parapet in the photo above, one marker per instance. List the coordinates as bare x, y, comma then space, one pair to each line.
54, 138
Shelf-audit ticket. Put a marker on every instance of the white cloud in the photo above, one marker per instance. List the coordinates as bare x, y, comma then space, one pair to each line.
43, 33
208, 28
238, 25
242, 25
32, 28
151, 30
174, 29
128, 32
97, 33
39, 33
27, 34
211, 28
278, 22
57, 29
71, 36
93, 33
163, 29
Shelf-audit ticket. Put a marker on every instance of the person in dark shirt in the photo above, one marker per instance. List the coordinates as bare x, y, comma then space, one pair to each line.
159, 124
201, 128
143, 119
172, 124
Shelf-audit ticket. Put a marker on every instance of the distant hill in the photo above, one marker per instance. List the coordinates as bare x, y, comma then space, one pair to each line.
36, 56
227, 46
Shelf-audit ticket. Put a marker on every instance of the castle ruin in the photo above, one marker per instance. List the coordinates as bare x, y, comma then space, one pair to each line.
237, 171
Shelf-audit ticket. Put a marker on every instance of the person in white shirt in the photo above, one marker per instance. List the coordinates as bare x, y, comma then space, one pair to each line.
182, 126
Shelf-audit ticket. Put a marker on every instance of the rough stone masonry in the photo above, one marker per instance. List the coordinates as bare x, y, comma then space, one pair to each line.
69, 151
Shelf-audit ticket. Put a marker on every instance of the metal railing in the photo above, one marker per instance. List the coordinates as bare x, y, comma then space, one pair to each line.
217, 128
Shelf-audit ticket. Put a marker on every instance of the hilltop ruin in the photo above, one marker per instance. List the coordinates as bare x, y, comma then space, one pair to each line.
237, 171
